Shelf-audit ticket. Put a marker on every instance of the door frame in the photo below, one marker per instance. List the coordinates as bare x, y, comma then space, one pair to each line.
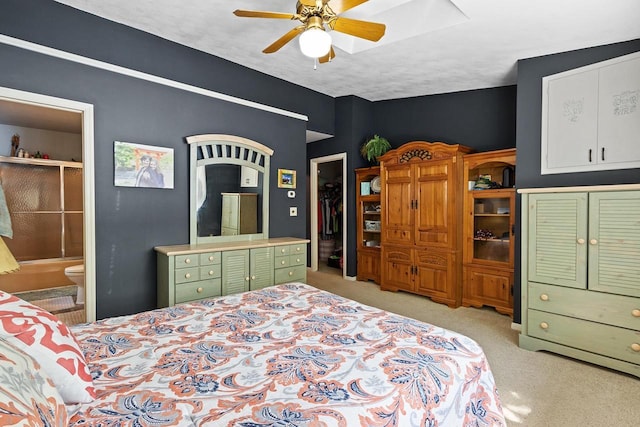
314, 207
88, 180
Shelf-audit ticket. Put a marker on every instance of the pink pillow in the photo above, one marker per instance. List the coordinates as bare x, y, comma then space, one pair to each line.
50, 342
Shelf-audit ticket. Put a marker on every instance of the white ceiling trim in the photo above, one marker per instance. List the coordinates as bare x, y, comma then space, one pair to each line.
11, 41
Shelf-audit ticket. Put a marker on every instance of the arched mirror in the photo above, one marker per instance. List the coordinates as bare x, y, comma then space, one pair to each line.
229, 197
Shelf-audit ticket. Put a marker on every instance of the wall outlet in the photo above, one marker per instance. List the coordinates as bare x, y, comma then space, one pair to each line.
293, 211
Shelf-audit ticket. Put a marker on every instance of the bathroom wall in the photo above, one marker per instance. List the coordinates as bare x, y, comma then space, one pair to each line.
59, 145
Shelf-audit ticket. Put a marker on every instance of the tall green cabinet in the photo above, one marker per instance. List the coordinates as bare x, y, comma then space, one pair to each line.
581, 274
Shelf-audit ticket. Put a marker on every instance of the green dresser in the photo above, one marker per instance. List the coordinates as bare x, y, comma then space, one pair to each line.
192, 272
581, 274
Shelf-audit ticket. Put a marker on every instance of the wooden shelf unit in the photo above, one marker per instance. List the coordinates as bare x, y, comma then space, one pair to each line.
368, 209
489, 218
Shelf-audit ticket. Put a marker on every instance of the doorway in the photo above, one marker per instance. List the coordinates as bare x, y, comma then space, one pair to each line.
328, 182
25, 103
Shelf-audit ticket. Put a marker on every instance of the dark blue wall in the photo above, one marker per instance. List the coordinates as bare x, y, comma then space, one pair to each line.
353, 126
129, 222
483, 119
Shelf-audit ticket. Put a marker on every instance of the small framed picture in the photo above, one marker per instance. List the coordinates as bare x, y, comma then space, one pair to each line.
286, 178
365, 188
139, 165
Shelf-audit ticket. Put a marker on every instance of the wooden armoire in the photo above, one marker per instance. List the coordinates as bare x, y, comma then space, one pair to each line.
422, 205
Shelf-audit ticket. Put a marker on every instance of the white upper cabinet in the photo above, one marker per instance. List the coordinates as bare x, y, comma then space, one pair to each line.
591, 117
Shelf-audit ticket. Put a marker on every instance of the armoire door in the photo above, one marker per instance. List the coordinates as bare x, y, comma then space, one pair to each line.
433, 194
398, 268
398, 199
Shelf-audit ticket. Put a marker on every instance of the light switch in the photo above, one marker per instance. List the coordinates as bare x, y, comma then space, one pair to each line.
291, 194
293, 211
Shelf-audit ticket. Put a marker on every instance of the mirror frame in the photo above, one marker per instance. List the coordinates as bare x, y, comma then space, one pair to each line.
227, 149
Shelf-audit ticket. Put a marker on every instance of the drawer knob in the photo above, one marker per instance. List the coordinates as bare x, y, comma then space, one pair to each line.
282, 262
247, 279
635, 346
635, 312
291, 273
544, 297
210, 272
210, 257
187, 261
297, 259
253, 277
187, 276
298, 249
581, 241
199, 290
282, 250
593, 241
544, 325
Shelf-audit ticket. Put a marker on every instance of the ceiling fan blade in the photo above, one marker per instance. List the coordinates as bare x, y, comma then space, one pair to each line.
275, 46
260, 14
328, 57
339, 6
363, 29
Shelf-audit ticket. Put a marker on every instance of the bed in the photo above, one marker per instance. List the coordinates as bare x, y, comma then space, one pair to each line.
287, 355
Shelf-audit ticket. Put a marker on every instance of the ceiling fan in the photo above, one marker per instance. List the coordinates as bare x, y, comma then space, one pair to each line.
316, 16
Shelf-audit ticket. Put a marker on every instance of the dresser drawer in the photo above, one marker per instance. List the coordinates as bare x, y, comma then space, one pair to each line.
210, 258
198, 290
610, 341
282, 261
298, 259
210, 272
282, 250
291, 274
184, 275
298, 249
599, 307
183, 261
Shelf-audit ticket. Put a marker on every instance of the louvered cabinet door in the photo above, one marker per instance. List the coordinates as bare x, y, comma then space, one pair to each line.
614, 242
235, 271
558, 239
261, 268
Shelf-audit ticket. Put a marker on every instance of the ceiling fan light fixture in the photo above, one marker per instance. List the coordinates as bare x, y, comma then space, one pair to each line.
315, 42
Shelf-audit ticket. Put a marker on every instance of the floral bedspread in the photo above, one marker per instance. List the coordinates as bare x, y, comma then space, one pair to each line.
288, 355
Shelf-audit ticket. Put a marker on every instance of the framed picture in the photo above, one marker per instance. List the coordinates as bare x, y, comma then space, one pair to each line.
138, 165
286, 178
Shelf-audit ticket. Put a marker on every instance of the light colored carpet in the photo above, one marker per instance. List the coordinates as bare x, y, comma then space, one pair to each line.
536, 388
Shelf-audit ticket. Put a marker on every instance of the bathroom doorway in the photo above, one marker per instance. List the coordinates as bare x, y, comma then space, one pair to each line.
328, 213
40, 117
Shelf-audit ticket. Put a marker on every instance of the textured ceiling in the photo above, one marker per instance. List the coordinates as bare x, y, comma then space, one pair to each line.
431, 46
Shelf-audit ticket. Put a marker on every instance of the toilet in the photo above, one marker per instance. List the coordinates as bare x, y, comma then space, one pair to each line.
75, 273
